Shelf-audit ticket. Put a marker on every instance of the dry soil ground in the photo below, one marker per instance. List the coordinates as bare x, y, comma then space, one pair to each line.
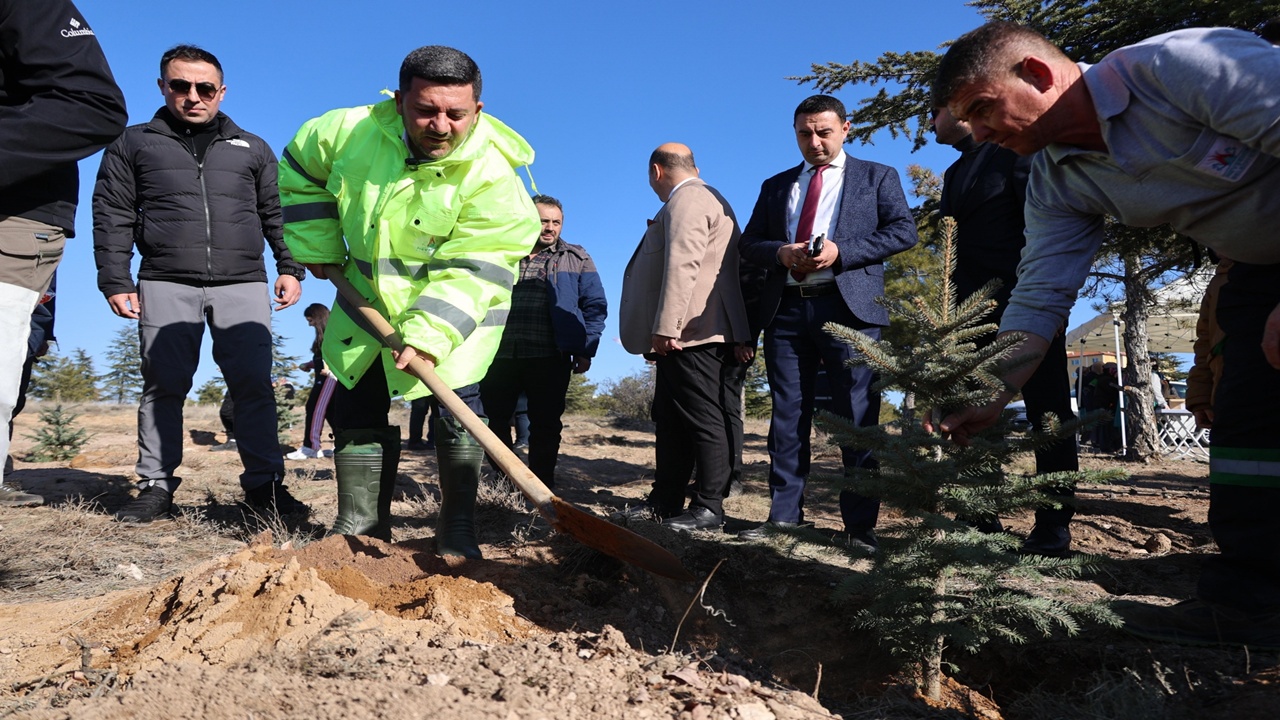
221, 615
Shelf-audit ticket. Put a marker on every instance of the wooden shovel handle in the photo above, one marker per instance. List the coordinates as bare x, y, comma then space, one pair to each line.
422, 368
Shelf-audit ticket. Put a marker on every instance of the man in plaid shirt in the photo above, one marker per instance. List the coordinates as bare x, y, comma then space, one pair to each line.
557, 315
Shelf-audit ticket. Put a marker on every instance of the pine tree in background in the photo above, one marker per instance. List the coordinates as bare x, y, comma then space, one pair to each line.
122, 382
65, 379
288, 399
580, 398
757, 402
936, 582
57, 438
630, 399
212, 391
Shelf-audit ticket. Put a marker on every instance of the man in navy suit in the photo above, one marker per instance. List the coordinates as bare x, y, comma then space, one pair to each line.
985, 191
860, 212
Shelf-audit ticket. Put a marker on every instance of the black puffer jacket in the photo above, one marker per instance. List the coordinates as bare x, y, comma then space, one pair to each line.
195, 223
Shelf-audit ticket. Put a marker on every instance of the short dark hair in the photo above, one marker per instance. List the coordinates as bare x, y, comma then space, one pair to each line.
189, 53
979, 55
673, 160
547, 200
815, 104
1270, 31
442, 65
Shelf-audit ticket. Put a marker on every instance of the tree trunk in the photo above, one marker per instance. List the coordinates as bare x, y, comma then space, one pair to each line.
931, 664
908, 408
1139, 415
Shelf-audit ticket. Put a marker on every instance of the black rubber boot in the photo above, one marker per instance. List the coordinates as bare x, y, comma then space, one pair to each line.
459, 457
365, 462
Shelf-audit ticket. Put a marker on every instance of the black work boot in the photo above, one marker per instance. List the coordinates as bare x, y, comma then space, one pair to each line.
365, 462
459, 457
273, 498
153, 503
1051, 535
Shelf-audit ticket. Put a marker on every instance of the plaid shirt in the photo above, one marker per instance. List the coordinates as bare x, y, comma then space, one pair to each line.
528, 333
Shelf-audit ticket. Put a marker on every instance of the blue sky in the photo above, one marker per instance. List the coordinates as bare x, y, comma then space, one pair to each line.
594, 87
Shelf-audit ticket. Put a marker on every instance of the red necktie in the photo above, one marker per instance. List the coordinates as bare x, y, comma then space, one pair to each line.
804, 231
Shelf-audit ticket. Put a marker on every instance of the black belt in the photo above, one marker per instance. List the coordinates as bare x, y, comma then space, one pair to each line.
809, 291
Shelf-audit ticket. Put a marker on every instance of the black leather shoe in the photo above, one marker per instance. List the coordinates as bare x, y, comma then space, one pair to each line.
863, 540
762, 532
1048, 540
987, 526
698, 518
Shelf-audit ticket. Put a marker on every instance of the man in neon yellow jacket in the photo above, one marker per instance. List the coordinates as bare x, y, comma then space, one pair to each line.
418, 200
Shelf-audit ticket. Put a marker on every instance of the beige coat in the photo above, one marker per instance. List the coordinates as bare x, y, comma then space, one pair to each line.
682, 280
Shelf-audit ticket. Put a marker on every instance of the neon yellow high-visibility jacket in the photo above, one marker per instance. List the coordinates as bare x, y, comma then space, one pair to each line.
439, 245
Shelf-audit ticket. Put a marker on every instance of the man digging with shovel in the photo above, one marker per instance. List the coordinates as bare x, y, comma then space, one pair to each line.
417, 199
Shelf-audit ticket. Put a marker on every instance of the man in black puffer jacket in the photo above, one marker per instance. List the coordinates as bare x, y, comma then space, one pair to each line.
196, 195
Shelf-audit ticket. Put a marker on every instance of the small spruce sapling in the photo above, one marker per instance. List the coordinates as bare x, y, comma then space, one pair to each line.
57, 438
936, 582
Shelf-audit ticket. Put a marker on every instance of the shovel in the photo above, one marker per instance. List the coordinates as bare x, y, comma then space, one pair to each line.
584, 527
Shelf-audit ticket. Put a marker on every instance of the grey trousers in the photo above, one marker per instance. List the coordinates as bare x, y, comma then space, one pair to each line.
174, 316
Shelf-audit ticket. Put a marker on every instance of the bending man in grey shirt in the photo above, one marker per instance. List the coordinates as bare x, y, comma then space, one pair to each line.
1183, 129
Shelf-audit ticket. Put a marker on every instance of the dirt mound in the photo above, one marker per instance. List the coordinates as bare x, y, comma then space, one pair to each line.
262, 599
274, 632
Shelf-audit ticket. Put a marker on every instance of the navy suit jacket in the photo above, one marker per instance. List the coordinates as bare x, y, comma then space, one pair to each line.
987, 200
873, 223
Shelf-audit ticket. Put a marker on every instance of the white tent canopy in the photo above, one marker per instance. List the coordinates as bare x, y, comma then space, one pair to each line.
1171, 322
1171, 325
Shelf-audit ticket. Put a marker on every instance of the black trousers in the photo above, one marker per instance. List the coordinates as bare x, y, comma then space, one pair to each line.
697, 403
418, 411
368, 404
1049, 391
1244, 453
545, 382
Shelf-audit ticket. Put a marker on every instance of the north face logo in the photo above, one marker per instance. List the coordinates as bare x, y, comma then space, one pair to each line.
77, 29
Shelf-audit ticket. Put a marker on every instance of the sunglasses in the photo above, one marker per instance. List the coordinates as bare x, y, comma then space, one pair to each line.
204, 90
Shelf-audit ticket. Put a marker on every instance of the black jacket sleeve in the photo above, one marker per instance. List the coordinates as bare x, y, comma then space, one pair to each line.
270, 217
59, 102
115, 218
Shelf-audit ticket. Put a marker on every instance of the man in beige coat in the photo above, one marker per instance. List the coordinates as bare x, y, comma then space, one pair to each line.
682, 308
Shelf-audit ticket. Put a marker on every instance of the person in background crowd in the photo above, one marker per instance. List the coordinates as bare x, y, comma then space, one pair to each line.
682, 308
196, 196
558, 309
317, 316
823, 230
37, 347
985, 190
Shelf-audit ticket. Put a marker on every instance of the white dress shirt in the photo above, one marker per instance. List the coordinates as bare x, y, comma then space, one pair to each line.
828, 208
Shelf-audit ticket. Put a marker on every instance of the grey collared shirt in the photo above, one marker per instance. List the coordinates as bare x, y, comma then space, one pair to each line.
1191, 120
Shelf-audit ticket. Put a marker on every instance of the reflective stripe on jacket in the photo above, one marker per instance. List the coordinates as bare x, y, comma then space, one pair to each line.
437, 246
